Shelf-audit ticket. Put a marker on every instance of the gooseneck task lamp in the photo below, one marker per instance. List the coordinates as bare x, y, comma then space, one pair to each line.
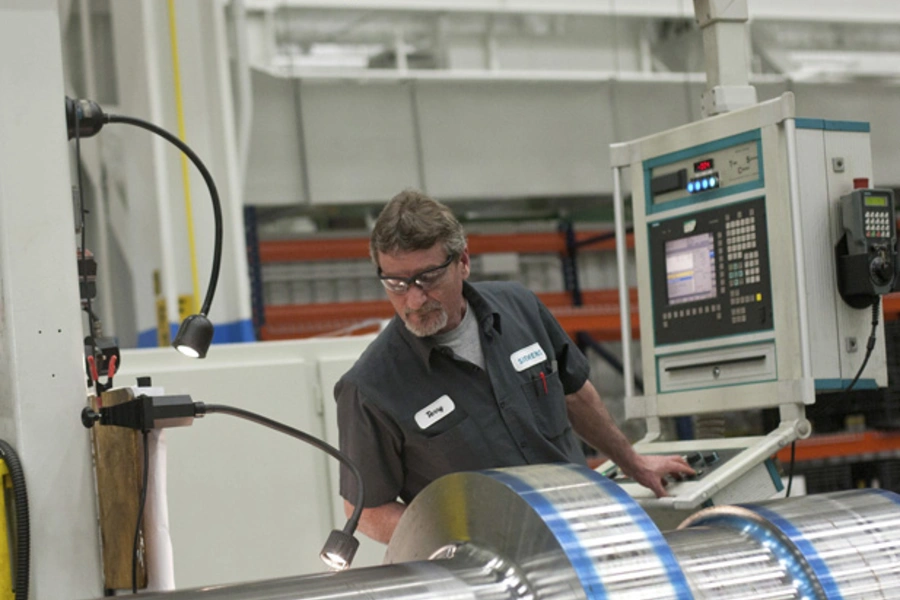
85, 118
156, 412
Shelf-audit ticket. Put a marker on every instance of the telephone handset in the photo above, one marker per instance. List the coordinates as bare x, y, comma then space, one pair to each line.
866, 254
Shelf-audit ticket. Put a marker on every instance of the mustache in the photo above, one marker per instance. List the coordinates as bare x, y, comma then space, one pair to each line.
428, 307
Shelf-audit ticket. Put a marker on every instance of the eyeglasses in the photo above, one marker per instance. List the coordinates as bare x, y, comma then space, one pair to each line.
426, 280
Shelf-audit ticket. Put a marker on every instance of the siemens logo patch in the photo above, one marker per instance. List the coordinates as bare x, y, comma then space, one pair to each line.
528, 357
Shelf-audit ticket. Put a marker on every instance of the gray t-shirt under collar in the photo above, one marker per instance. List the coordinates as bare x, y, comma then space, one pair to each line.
463, 340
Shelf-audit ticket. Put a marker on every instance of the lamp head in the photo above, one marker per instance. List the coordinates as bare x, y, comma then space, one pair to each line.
194, 336
339, 550
90, 117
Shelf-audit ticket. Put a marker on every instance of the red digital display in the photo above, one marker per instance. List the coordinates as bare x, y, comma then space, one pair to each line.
703, 165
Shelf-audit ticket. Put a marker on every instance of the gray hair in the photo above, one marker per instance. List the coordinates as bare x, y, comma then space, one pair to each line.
412, 221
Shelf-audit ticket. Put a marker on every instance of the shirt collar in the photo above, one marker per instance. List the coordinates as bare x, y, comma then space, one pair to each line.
488, 318
488, 322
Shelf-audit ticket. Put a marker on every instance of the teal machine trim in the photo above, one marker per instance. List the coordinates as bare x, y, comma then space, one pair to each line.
826, 125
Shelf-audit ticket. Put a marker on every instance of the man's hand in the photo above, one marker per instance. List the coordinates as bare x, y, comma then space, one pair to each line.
593, 423
650, 471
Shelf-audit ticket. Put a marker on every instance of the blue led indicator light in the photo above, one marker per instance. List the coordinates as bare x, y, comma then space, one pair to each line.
691, 187
712, 181
705, 183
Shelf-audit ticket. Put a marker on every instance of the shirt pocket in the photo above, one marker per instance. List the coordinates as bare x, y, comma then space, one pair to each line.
436, 451
547, 404
439, 428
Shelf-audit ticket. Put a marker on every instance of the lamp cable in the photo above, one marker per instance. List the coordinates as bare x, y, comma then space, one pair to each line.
353, 521
217, 207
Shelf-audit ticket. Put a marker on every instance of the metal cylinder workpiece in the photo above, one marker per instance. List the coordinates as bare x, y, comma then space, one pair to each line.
563, 532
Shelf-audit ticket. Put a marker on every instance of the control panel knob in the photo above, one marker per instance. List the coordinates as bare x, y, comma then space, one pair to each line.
882, 270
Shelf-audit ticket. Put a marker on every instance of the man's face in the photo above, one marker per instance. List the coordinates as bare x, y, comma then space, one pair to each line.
439, 306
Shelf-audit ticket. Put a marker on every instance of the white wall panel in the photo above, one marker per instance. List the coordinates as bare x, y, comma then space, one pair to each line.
645, 108
500, 139
492, 139
360, 141
275, 160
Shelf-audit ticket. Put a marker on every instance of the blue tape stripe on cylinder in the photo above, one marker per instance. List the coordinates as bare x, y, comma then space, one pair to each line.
818, 566
794, 565
642, 520
577, 555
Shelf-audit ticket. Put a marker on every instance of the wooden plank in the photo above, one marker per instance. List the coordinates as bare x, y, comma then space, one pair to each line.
119, 468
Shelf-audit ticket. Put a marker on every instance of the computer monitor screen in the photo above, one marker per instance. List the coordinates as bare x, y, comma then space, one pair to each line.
691, 268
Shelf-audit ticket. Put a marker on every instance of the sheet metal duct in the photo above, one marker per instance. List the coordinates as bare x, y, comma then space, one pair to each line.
561, 531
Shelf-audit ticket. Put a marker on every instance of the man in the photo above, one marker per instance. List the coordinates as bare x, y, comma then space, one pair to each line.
465, 377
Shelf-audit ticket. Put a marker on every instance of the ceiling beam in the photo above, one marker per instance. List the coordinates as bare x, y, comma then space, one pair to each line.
858, 11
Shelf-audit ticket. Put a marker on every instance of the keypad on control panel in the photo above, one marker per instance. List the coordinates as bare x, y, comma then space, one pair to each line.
878, 223
741, 251
743, 263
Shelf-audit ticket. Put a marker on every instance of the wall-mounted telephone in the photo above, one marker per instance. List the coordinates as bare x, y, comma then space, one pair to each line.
867, 262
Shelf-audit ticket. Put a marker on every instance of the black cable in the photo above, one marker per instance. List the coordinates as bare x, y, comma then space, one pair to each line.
353, 521
140, 516
870, 344
217, 207
787, 494
87, 306
23, 528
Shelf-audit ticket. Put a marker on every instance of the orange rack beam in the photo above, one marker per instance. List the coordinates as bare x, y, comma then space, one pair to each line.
599, 316
870, 444
351, 248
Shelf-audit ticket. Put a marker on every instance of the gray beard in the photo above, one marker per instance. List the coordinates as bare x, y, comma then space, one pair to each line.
431, 328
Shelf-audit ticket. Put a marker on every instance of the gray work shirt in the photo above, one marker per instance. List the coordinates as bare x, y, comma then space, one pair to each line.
410, 411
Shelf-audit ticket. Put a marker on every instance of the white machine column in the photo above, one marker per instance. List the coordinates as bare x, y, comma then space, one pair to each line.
42, 382
725, 45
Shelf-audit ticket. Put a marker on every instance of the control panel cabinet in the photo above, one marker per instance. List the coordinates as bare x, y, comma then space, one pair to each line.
735, 241
736, 221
